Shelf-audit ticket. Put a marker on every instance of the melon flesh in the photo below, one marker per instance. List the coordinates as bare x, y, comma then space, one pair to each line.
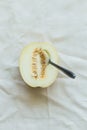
34, 67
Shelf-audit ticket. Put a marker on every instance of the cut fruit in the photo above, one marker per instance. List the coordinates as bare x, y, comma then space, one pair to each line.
34, 67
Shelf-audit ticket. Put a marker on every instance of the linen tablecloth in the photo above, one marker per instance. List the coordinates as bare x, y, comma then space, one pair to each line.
62, 106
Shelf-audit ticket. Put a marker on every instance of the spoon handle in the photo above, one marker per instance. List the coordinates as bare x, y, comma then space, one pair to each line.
67, 72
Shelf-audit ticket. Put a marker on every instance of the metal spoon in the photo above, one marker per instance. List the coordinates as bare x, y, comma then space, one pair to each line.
65, 71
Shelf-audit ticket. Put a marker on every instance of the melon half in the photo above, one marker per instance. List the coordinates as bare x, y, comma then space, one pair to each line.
34, 64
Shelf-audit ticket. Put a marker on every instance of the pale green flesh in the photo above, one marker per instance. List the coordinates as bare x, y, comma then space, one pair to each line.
26, 64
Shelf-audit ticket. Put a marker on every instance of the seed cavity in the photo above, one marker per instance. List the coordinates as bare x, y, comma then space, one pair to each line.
38, 52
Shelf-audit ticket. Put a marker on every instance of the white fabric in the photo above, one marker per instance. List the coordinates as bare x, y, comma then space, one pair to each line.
63, 106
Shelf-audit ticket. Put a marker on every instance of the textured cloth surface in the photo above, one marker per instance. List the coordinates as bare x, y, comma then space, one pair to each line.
62, 106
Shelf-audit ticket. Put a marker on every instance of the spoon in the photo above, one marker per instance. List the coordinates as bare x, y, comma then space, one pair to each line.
64, 70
